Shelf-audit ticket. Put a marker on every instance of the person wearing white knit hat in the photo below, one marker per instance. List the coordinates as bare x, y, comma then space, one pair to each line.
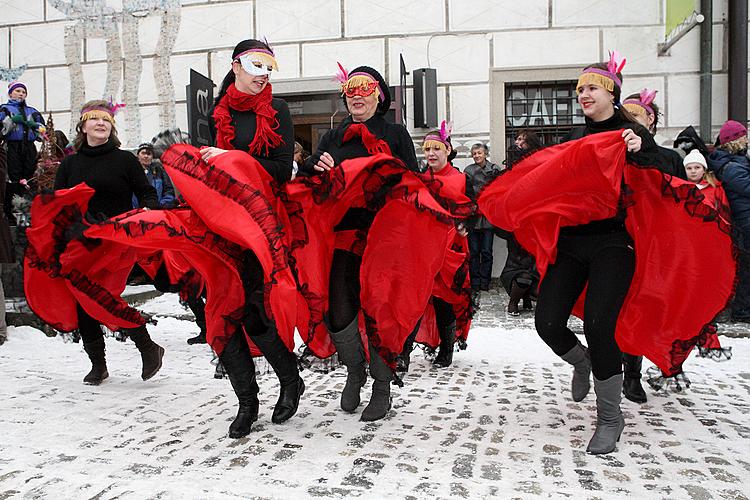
696, 169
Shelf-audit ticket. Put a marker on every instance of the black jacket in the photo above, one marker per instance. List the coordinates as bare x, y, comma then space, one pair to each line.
395, 135
278, 160
114, 174
476, 178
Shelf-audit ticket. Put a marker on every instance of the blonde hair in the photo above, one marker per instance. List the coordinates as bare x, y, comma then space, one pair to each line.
80, 138
361, 81
735, 146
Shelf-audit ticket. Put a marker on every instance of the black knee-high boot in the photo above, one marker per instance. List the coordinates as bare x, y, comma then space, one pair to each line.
284, 364
239, 365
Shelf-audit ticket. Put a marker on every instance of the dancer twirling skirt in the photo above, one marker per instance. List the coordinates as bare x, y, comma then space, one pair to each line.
115, 176
364, 132
568, 205
247, 118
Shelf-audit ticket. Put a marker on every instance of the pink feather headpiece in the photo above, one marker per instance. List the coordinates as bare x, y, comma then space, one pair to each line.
445, 132
107, 111
646, 98
608, 78
341, 75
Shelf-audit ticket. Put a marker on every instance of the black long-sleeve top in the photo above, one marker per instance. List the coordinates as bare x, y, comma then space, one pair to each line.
648, 155
395, 135
277, 161
114, 174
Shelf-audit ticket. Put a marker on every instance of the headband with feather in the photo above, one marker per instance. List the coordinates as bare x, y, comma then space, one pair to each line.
608, 78
442, 139
643, 103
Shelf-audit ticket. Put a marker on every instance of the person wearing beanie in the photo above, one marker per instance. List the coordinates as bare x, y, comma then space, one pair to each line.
20, 126
729, 163
156, 176
365, 132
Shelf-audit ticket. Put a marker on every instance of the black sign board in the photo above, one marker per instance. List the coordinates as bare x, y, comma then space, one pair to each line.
200, 98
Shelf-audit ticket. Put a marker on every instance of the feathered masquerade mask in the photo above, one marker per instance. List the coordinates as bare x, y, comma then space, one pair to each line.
258, 61
356, 84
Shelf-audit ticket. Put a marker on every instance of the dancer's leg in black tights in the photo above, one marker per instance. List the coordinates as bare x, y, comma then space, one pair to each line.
343, 289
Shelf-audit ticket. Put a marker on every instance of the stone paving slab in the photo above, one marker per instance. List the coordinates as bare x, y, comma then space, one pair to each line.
498, 423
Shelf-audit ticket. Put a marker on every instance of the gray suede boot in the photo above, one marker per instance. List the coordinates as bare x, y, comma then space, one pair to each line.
609, 419
578, 356
352, 355
380, 401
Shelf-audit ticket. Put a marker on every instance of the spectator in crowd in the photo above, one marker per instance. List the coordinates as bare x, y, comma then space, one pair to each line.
20, 126
480, 233
525, 143
156, 176
730, 164
300, 157
6, 243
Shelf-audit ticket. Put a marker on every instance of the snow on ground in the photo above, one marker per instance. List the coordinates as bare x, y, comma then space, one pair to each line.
499, 422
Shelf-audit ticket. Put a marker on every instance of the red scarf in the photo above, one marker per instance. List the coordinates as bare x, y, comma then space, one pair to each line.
372, 144
265, 119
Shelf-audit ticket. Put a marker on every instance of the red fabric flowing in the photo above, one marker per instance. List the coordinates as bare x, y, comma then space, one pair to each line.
675, 231
372, 144
235, 197
266, 122
189, 250
407, 216
62, 268
452, 283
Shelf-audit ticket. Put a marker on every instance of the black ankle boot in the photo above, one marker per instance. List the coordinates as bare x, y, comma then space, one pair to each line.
284, 364
95, 351
239, 365
631, 385
516, 294
151, 352
198, 308
198, 339
403, 360
444, 356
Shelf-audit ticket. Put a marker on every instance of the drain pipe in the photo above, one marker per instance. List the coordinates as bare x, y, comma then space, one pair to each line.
705, 66
737, 109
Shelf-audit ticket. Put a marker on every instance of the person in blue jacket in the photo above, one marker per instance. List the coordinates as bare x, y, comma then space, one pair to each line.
730, 164
20, 126
156, 176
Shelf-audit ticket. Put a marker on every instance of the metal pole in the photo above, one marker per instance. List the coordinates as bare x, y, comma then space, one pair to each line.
738, 60
705, 63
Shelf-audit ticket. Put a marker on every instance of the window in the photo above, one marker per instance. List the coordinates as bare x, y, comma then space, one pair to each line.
549, 108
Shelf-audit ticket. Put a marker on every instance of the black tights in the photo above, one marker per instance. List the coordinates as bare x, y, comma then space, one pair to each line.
343, 289
607, 264
89, 328
255, 319
444, 315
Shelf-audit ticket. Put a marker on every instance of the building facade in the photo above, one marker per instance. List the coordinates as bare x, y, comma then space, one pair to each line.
500, 63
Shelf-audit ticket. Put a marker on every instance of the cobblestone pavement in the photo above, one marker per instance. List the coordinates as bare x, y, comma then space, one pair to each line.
499, 422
